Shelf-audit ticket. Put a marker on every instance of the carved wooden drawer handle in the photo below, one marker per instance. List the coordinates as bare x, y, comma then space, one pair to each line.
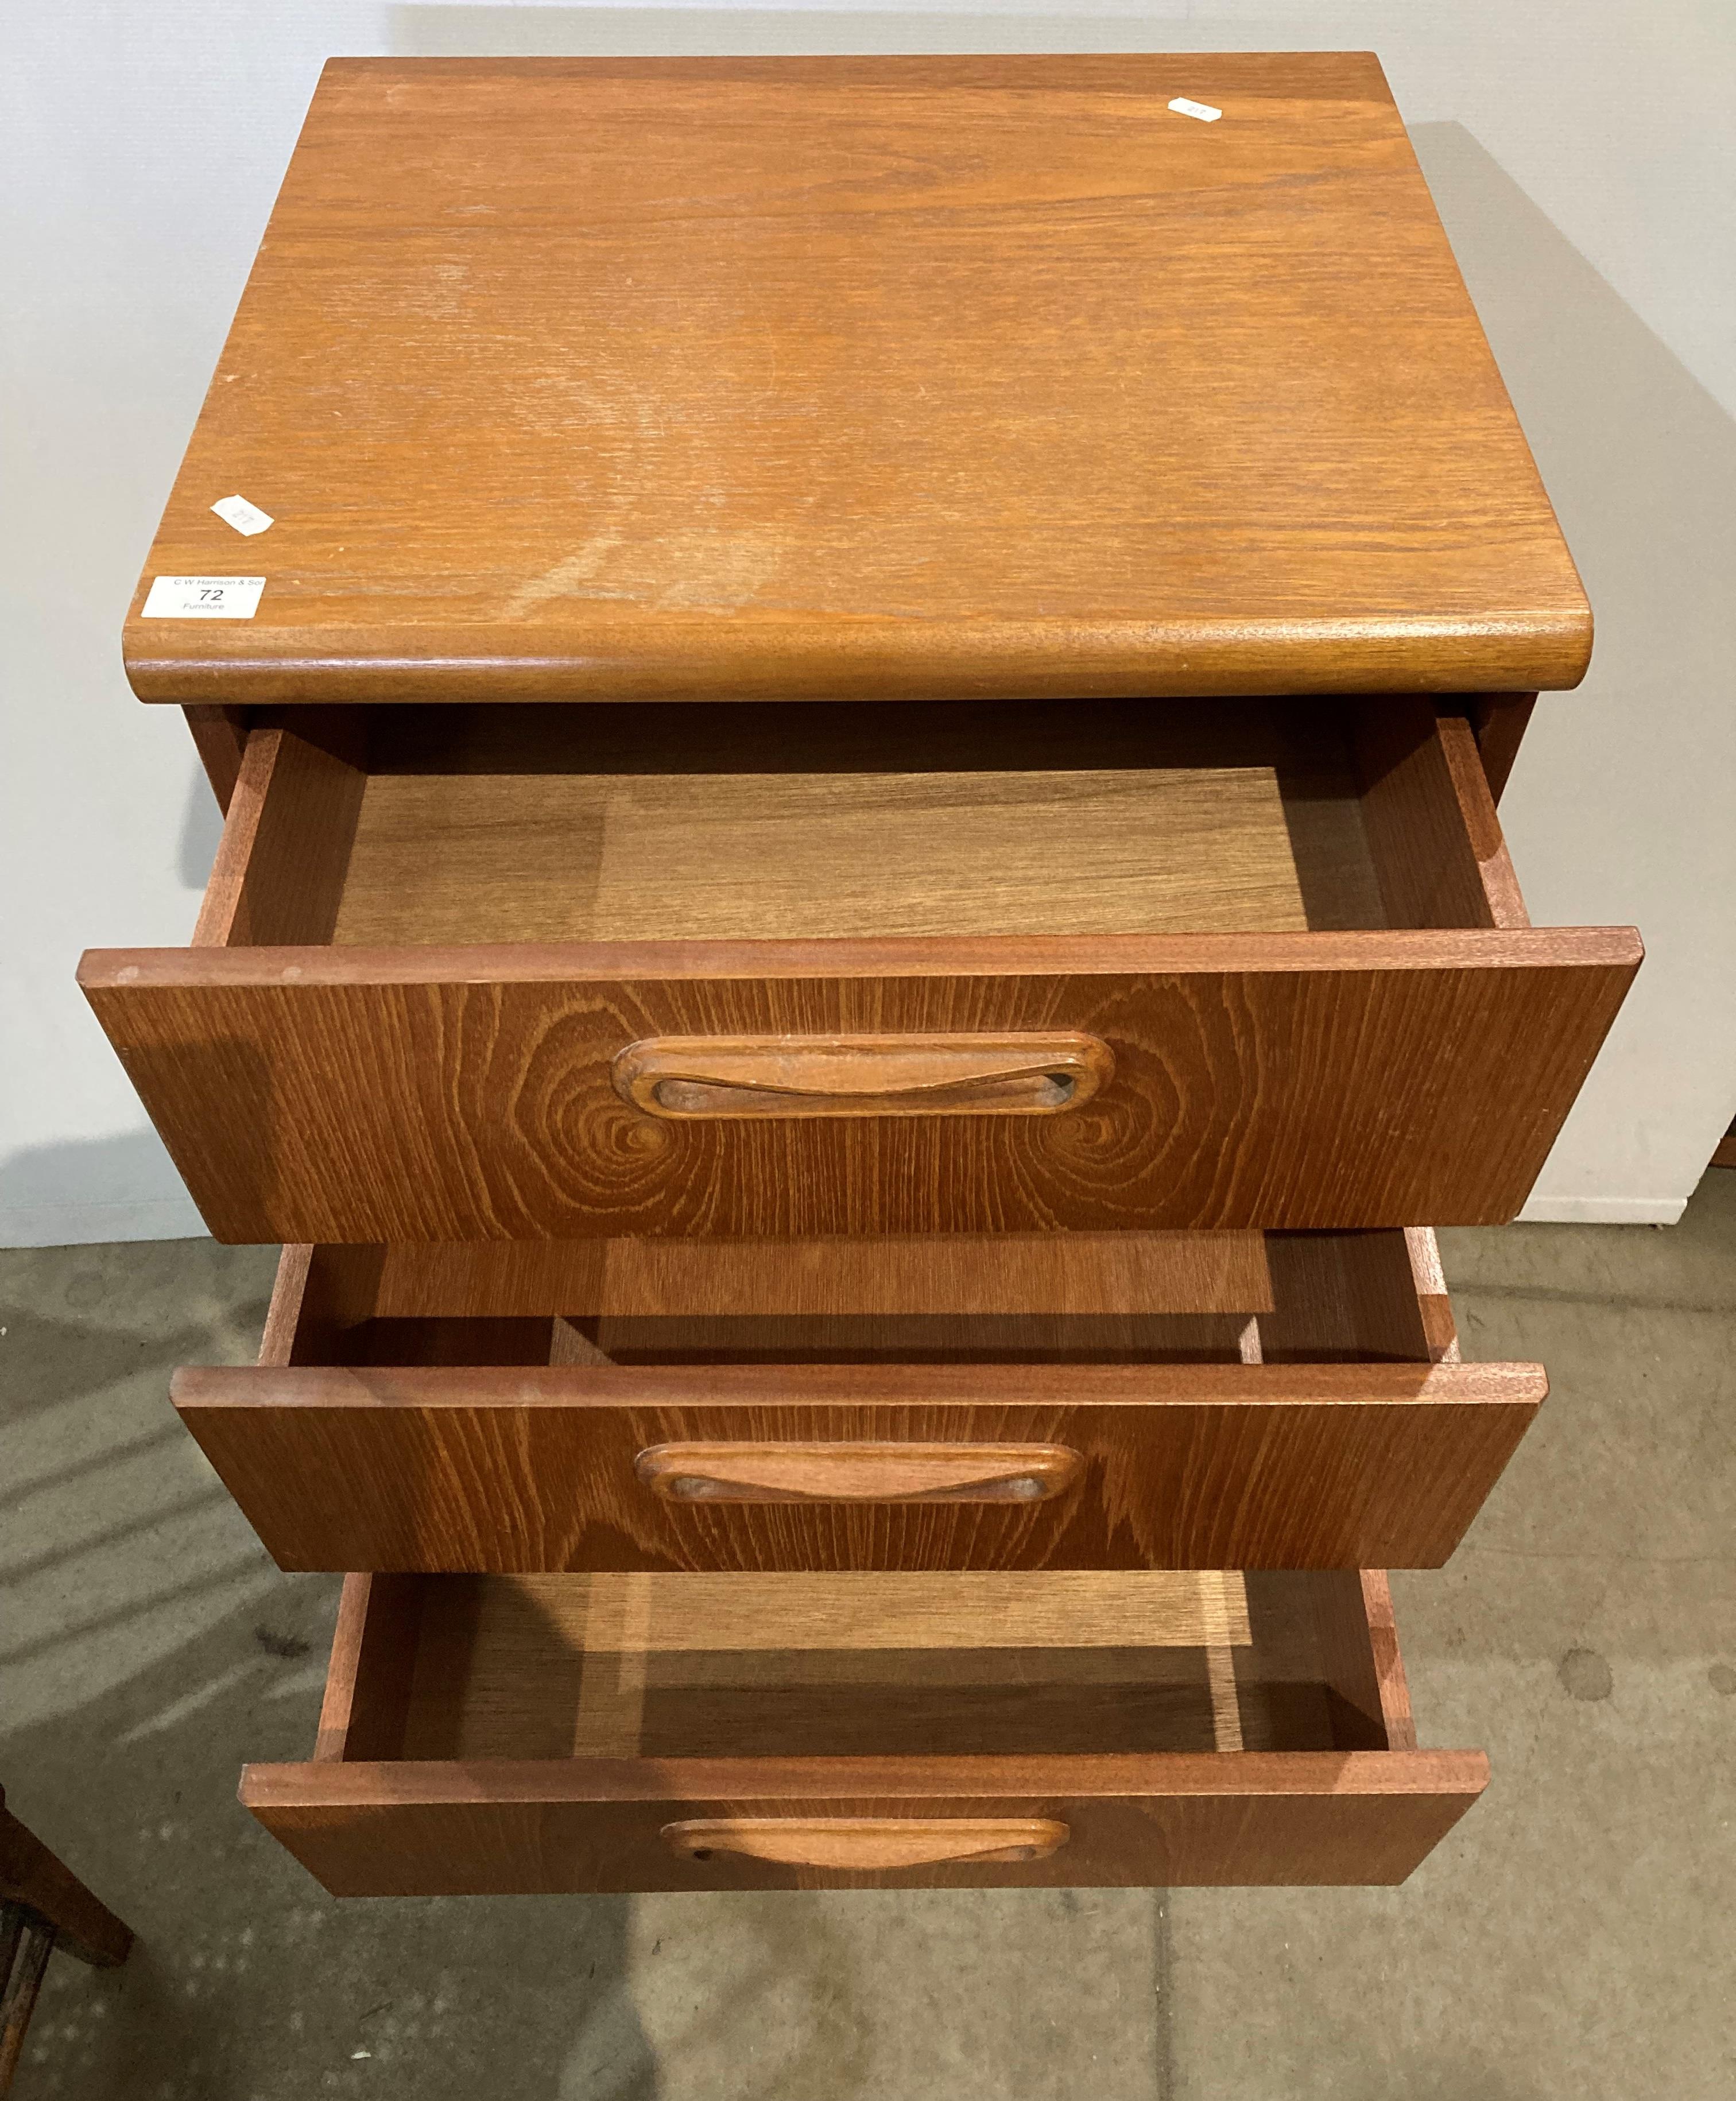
866, 1842
861, 1075
839, 1473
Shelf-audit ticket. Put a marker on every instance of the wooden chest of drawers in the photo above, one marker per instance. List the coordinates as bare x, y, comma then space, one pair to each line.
861, 906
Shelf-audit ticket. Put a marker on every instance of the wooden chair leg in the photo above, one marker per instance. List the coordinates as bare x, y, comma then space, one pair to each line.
26, 1942
32, 1876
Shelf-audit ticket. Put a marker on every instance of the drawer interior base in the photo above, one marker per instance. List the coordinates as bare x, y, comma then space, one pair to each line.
491, 1736
411, 826
696, 822
886, 1665
1289, 1298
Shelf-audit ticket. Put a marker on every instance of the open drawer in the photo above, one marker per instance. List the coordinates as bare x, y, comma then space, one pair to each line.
705, 1406
502, 972
691, 1733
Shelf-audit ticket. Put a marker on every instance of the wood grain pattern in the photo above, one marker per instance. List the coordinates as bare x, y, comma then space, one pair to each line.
279, 873
1439, 1329
507, 1633
596, 823
625, 1665
546, 856
244, 813
295, 1310
836, 376
660, 1667
1504, 902
336, 1708
1068, 1274
321, 1296
1431, 822
373, 1654
702, 820
32, 1876
1165, 1819
1280, 1081
1185, 1466
219, 735
1389, 1665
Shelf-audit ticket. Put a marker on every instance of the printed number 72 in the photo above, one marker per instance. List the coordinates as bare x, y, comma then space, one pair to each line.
212, 593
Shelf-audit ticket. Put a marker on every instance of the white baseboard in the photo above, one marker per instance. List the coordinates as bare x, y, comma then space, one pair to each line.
1603, 1210
79, 1225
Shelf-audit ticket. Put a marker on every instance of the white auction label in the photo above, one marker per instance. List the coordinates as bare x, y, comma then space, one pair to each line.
1203, 110
202, 598
244, 516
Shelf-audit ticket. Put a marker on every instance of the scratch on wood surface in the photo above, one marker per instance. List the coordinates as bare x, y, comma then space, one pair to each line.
566, 579
713, 565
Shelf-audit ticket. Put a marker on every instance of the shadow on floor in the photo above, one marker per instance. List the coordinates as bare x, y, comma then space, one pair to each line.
150, 1649
248, 1980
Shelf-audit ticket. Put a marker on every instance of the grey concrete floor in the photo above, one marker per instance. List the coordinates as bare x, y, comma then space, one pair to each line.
1572, 1937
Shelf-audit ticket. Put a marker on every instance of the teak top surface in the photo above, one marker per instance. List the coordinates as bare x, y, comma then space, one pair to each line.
825, 377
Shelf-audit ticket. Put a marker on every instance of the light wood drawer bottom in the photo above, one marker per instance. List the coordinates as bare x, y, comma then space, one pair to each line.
550, 1733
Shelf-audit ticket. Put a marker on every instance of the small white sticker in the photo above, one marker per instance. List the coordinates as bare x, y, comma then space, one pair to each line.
202, 598
1203, 110
244, 516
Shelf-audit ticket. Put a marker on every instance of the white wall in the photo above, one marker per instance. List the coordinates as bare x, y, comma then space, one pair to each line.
139, 158
1583, 155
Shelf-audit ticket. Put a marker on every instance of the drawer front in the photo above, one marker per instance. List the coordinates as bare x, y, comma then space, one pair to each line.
657, 1732
861, 1467
1288, 1081
1166, 1820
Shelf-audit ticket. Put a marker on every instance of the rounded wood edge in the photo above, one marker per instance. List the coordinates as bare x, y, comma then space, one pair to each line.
297, 969
676, 658
1402, 1383
320, 1790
